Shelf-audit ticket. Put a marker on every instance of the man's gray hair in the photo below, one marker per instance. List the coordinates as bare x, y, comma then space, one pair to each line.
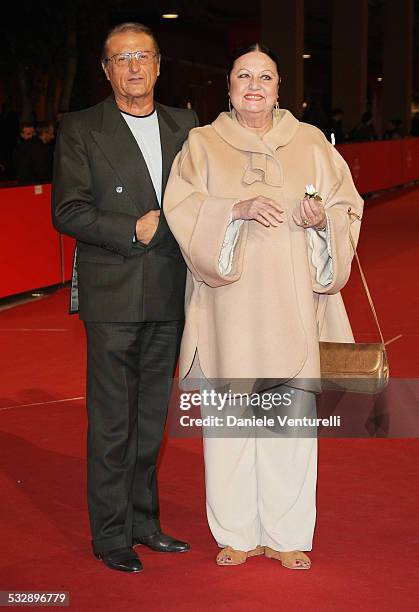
128, 26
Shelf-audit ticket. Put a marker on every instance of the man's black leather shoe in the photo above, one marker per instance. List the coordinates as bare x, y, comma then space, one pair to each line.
121, 559
162, 543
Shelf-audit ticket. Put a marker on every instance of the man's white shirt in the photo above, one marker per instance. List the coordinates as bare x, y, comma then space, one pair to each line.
147, 134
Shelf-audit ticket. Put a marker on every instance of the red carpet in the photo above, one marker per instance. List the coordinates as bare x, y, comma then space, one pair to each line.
367, 536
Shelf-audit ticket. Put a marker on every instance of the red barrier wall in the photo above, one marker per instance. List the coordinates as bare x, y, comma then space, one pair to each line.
382, 164
30, 247
374, 165
33, 255
410, 160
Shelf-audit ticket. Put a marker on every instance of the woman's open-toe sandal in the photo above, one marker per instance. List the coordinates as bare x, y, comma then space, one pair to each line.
230, 556
294, 559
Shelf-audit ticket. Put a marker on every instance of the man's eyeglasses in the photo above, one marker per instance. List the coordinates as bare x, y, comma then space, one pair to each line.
123, 59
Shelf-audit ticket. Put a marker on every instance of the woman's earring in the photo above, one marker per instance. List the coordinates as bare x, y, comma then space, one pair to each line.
276, 107
229, 104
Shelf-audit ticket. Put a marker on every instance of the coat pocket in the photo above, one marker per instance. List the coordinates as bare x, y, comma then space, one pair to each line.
92, 254
115, 260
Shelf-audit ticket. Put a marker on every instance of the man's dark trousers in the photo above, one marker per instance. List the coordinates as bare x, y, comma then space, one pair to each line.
129, 371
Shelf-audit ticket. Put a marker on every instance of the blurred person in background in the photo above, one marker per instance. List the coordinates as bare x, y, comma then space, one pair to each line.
394, 129
25, 154
336, 127
46, 136
365, 130
414, 129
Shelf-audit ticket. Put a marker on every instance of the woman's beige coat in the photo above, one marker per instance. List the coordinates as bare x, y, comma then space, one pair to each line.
264, 319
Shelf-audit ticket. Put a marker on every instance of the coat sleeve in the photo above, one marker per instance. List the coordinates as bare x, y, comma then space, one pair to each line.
342, 196
74, 209
200, 221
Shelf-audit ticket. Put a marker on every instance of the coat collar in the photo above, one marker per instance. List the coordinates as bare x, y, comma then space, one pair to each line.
120, 148
263, 164
281, 133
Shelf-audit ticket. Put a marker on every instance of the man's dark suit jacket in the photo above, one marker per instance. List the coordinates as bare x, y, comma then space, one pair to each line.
101, 187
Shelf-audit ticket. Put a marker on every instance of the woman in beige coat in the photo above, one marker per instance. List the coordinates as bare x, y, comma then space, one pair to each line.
265, 267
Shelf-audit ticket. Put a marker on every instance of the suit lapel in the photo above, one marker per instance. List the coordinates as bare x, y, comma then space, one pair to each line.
168, 140
120, 148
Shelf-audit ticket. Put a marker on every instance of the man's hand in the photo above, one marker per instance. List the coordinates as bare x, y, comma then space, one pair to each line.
146, 226
263, 210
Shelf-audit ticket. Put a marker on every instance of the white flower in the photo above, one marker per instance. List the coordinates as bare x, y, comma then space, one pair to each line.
311, 192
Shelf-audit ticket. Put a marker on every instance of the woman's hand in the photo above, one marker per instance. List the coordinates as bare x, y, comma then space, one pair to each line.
260, 209
311, 214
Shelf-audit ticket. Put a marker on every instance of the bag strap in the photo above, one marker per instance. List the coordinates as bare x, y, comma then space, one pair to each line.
364, 280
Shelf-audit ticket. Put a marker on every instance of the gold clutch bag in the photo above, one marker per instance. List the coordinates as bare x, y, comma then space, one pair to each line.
355, 367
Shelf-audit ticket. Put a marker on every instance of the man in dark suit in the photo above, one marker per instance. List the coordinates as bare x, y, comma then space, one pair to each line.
112, 162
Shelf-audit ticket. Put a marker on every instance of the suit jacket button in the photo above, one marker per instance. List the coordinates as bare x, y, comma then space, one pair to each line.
118, 189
